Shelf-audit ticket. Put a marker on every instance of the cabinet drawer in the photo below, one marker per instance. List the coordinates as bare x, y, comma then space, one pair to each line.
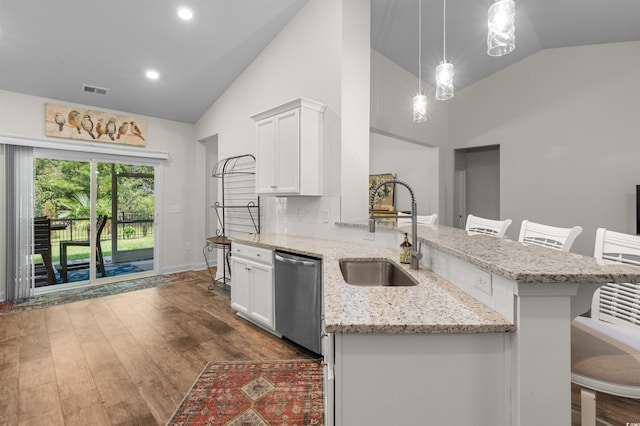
255, 254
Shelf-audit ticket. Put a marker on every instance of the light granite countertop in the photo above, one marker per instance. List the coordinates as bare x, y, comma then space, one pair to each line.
432, 306
515, 260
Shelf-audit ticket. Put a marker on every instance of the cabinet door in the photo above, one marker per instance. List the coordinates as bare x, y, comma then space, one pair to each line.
288, 152
266, 156
240, 281
261, 295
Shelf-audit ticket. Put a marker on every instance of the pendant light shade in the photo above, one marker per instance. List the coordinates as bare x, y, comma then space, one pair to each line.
419, 100
444, 71
501, 38
444, 81
420, 107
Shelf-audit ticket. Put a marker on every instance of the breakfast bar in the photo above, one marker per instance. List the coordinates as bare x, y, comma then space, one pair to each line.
483, 338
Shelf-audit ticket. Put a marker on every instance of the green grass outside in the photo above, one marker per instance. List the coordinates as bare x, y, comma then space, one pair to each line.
75, 253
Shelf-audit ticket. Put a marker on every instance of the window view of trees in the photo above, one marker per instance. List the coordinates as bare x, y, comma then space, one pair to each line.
62, 189
63, 193
61, 186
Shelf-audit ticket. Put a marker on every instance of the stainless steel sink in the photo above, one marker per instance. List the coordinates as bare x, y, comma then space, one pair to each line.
374, 273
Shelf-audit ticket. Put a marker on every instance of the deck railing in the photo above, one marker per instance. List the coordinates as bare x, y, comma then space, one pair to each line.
129, 225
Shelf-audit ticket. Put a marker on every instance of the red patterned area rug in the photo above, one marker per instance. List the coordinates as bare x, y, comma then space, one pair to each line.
255, 394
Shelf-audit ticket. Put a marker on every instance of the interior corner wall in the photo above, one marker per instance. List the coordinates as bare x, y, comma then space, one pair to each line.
23, 115
567, 124
392, 92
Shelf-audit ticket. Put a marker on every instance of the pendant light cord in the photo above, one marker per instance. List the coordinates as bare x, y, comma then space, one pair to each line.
420, 47
444, 31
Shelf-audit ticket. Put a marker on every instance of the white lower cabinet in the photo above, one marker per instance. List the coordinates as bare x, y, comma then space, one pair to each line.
252, 284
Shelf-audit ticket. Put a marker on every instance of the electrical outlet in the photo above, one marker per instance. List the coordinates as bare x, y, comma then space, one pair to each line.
298, 214
325, 216
187, 246
484, 284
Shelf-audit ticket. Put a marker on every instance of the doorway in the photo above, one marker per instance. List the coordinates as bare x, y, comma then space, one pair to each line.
101, 220
132, 212
476, 183
211, 218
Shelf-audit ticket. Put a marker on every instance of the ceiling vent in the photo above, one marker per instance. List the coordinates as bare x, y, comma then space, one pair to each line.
87, 88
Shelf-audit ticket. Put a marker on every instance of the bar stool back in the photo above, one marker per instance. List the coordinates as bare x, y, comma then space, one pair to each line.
548, 236
480, 225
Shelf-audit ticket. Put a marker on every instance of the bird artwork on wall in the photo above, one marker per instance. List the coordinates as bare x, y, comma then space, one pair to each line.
123, 129
87, 125
74, 120
68, 122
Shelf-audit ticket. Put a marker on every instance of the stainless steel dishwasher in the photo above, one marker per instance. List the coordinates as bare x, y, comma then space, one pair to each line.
298, 298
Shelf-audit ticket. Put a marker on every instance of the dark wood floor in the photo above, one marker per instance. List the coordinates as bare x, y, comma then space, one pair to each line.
610, 409
126, 359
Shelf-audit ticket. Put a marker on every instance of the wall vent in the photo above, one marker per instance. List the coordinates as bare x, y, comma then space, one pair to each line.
87, 88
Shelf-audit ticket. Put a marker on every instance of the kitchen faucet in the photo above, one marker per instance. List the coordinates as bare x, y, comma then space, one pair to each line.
416, 255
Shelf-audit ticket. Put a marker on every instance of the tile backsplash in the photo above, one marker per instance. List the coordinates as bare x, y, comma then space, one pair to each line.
305, 216
315, 217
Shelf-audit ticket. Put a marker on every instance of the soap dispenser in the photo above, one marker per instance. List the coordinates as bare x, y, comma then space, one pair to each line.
405, 250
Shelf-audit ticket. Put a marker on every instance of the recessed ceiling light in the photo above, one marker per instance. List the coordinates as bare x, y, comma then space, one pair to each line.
185, 13
152, 75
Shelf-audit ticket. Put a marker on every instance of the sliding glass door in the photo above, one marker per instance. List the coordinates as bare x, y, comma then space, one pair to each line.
130, 190
62, 225
95, 219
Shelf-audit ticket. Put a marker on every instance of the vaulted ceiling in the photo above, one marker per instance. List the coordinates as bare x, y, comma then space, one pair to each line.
50, 48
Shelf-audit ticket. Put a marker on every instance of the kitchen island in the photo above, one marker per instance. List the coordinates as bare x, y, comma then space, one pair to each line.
483, 339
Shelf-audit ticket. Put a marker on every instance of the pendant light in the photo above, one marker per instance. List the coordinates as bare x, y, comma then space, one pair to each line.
419, 100
444, 71
501, 38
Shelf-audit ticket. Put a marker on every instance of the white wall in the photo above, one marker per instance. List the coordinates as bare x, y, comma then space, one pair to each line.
304, 60
355, 88
568, 128
392, 92
23, 115
415, 164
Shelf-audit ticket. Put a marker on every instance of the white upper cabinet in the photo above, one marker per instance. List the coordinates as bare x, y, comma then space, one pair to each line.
289, 149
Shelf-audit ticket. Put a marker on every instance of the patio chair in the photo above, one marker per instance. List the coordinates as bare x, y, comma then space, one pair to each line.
42, 245
65, 266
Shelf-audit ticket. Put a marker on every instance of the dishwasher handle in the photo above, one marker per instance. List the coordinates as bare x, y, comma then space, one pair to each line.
294, 261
